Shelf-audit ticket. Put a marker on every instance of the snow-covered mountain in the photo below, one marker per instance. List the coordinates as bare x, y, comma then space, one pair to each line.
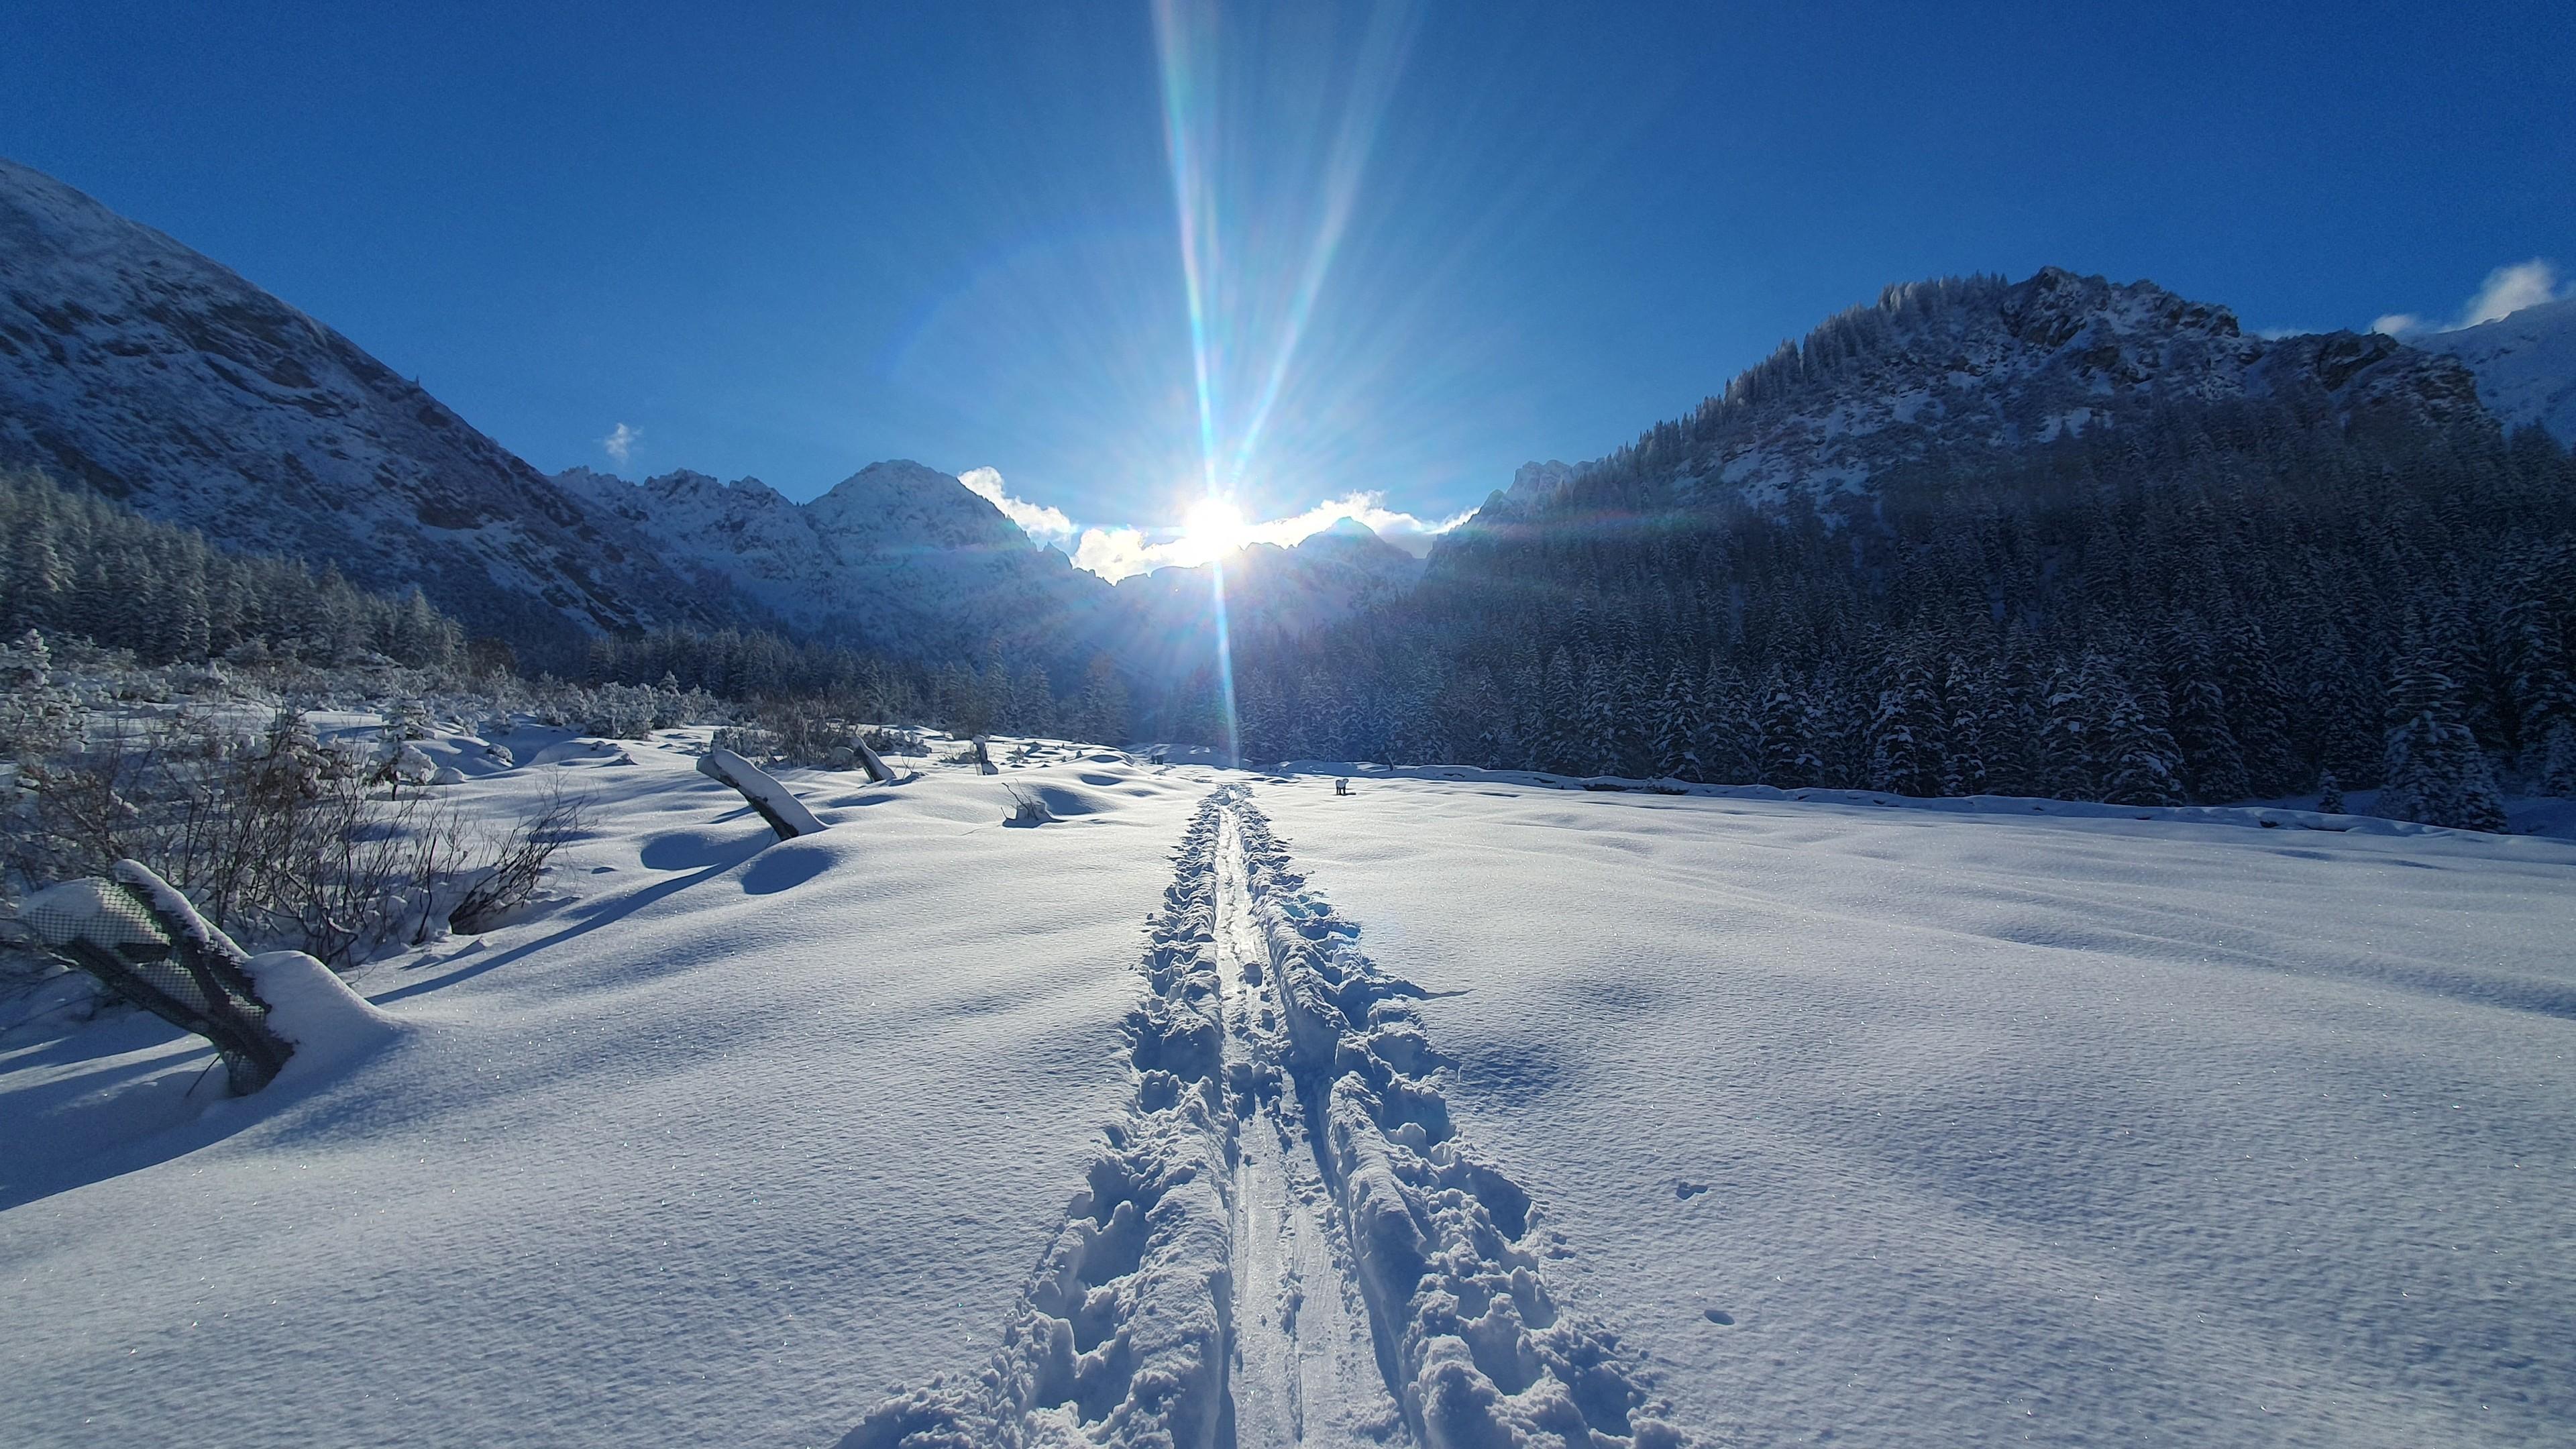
158, 377
1953, 368
1270, 590
2525, 364
896, 557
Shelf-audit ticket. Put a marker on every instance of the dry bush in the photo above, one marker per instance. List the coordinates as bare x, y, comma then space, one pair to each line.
518, 861
1027, 807
278, 839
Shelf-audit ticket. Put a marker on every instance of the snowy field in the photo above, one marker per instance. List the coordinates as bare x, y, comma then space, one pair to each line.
1722, 1119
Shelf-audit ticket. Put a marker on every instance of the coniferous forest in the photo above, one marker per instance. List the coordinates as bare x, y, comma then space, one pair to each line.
2224, 603
76, 564
2228, 603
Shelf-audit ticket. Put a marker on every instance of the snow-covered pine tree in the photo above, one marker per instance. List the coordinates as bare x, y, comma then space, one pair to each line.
1905, 734
2433, 771
1677, 727
1789, 757
2139, 760
1969, 692
1730, 739
2329, 794
2070, 761
1560, 744
2212, 765
2558, 761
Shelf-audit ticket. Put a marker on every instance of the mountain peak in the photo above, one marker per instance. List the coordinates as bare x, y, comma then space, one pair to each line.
899, 503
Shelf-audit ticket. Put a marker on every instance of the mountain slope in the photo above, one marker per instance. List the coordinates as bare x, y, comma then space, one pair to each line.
2525, 365
2054, 538
1950, 369
141, 369
897, 556
1322, 578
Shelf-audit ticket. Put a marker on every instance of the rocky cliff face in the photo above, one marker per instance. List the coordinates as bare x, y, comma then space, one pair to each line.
135, 366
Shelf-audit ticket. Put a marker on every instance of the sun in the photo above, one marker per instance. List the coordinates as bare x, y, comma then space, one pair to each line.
1214, 528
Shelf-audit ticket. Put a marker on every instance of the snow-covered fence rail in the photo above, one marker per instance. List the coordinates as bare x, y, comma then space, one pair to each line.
776, 803
146, 943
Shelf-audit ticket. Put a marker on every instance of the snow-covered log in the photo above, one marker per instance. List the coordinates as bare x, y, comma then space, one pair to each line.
873, 762
776, 803
144, 941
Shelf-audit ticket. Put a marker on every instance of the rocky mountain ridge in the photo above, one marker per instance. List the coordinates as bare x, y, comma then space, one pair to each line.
897, 557
147, 372
1961, 367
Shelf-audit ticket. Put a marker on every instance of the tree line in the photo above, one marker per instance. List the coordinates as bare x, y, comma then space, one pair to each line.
2225, 602
76, 564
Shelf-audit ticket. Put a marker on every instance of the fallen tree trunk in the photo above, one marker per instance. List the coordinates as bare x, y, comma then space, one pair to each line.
776, 803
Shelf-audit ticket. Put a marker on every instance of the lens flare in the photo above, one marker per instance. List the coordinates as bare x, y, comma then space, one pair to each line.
1262, 204
1214, 528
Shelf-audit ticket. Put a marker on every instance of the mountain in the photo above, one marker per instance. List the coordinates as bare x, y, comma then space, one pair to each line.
149, 373
1954, 369
2525, 364
897, 557
1169, 617
2056, 537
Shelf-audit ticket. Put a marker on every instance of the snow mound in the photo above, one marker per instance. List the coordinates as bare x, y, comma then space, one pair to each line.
328, 1024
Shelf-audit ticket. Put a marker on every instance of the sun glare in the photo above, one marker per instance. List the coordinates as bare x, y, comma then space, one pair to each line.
1214, 528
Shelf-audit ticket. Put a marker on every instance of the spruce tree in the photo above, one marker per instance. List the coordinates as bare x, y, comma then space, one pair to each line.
2329, 794
2433, 771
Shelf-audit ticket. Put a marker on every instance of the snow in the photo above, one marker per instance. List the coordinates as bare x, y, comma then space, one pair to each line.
1973, 1127
87, 908
2525, 364
315, 1011
734, 1137
1769, 1118
775, 802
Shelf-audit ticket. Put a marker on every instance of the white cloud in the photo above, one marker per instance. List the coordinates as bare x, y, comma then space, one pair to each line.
1404, 530
2510, 289
620, 444
1046, 525
1115, 552
2507, 290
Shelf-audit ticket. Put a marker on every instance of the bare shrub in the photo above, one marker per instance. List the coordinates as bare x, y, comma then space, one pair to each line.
804, 732
518, 861
278, 839
1027, 807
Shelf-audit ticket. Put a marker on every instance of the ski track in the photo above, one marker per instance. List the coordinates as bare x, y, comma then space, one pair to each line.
1285, 1241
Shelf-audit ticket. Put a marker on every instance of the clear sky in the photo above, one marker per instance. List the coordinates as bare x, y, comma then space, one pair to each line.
1425, 244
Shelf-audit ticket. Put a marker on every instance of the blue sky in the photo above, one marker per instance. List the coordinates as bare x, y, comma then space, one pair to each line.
1429, 244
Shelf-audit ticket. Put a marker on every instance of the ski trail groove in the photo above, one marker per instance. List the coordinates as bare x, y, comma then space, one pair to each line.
1305, 1367
1285, 1241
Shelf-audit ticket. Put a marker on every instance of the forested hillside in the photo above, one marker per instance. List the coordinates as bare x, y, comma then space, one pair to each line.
2219, 601
77, 565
